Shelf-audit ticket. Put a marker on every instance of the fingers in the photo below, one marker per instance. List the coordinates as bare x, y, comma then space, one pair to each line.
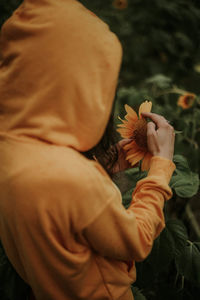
159, 120
151, 127
152, 137
160, 136
123, 142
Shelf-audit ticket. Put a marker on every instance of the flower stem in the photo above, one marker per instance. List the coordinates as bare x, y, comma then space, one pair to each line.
173, 90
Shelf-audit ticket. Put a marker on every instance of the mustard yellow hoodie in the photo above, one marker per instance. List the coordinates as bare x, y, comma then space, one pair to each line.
62, 222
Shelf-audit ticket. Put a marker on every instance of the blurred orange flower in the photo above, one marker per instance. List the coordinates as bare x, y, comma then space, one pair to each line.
186, 100
135, 128
120, 4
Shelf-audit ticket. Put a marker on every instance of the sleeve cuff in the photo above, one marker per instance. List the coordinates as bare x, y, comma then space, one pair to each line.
162, 167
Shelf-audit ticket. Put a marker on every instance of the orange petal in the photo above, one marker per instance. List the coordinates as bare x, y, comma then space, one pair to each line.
186, 100
146, 161
133, 152
125, 130
122, 125
145, 107
131, 145
131, 114
127, 125
135, 157
123, 121
125, 133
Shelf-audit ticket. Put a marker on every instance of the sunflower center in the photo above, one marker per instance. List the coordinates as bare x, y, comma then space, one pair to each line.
189, 100
140, 133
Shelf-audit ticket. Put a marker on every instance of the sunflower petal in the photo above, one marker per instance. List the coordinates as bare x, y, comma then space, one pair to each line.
145, 107
123, 121
135, 158
135, 154
122, 125
126, 125
131, 114
129, 146
125, 129
124, 132
130, 124
146, 161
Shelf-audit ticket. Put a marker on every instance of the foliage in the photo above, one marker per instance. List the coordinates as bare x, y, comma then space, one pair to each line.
6, 9
158, 36
12, 286
137, 293
184, 182
172, 268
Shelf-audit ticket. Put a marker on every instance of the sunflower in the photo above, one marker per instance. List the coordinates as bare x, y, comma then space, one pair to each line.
186, 101
135, 128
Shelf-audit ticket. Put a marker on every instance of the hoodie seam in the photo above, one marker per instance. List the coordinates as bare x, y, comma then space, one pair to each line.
105, 284
111, 197
96, 216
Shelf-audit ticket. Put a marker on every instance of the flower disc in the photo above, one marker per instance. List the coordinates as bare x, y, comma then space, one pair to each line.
140, 133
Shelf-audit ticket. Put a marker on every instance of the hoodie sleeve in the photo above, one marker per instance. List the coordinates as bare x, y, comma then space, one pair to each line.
126, 235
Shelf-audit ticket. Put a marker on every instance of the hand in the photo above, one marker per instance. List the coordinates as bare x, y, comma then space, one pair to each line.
122, 164
160, 136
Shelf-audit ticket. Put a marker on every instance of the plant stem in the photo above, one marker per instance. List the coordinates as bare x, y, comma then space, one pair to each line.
173, 90
191, 141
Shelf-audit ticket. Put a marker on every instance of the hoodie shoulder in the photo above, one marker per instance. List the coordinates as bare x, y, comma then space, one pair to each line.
64, 185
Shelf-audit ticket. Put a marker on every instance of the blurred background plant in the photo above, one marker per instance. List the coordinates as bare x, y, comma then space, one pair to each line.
161, 63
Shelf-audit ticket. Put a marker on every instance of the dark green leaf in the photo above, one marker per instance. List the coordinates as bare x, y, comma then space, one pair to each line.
132, 177
179, 234
181, 163
188, 263
168, 245
187, 186
162, 252
184, 181
160, 80
127, 198
137, 293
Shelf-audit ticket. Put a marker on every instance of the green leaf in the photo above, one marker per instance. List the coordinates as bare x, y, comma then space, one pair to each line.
133, 175
162, 252
184, 181
137, 293
127, 198
181, 163
179, 234
188, 263
168, 245
160, 80
186, 186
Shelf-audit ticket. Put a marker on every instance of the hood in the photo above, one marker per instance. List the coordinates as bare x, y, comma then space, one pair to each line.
58, 75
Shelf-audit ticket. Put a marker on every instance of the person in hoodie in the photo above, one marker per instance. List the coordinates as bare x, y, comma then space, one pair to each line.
62, 222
